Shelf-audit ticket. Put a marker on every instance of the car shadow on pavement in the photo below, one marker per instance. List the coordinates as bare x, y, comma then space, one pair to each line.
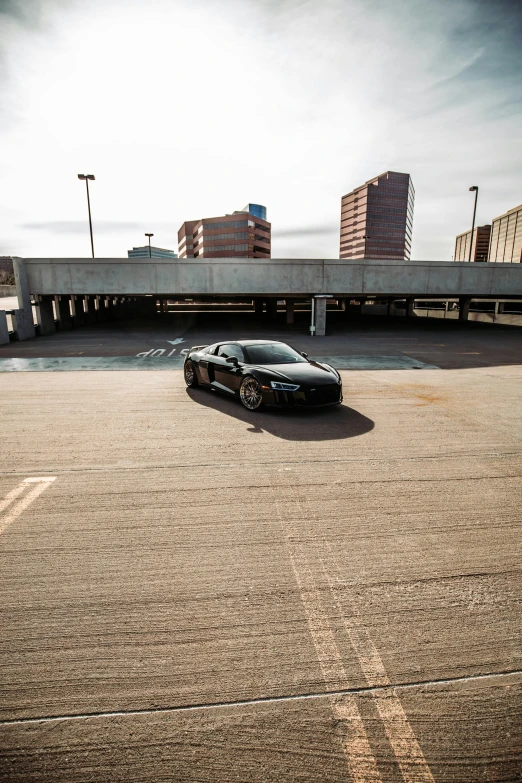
331, 423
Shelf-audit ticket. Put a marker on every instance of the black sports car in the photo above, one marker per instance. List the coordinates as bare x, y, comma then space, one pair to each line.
263, 372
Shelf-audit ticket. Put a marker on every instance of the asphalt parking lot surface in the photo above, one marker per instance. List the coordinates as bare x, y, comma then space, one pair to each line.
195, 592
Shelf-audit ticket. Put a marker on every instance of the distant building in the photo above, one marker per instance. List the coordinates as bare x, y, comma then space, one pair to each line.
6, 264
377, 218
245, 234
155, 252
479, 249
506, 238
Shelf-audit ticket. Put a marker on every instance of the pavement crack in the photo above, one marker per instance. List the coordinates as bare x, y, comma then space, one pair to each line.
267, 699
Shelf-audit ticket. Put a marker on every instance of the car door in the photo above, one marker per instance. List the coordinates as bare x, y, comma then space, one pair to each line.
203, 364
227, 375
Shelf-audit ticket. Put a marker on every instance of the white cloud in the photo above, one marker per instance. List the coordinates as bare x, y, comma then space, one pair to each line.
188, 108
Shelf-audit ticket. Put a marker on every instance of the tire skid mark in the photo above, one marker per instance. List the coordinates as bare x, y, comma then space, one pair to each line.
35, 487
354, 739
405, 746
361, 762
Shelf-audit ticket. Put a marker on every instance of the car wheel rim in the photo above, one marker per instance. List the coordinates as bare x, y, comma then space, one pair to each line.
251, 394
189, 373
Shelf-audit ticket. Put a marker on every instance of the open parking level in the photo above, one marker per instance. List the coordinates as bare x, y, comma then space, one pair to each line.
194, 592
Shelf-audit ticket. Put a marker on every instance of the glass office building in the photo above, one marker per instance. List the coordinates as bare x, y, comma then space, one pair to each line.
506, 238
257, 210
377, 218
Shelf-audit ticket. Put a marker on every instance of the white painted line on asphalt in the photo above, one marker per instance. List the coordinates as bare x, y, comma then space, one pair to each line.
35, 485
401, 736
11, 496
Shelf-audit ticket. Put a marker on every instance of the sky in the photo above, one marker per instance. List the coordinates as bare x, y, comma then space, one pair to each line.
185, 109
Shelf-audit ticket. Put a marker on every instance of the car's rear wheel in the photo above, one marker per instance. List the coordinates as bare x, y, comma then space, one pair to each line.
191, 379
250, 393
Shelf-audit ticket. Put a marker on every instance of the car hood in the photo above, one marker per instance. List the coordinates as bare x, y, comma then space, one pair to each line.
301, 373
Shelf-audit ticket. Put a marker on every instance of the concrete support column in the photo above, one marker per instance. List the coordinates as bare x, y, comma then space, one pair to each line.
78, 312
91, 314
63, 312
24, 315
271, 308
4, 329
146, 306
258, 307
45, 315
99, 303
290, 311
320, 317
118, 308
109, 308
464, 303
410, 307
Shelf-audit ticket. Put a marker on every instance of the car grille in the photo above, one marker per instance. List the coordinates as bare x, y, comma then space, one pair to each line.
331, 392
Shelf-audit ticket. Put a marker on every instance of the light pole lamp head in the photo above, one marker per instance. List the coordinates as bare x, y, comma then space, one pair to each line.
474, 187
149, 235
86, 176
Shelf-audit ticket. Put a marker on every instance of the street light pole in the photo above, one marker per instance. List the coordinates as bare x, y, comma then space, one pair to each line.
149, 236
87, 177
475, 188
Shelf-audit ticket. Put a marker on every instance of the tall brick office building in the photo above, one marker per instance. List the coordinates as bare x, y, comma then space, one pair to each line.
244, 234
377, 218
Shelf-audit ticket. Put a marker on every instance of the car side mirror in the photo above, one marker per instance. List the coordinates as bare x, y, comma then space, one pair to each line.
304, 354
232, 360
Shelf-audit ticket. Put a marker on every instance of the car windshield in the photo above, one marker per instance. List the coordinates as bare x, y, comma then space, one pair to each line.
273, 353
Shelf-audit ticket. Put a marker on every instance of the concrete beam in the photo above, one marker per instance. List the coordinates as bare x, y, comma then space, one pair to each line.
382, 278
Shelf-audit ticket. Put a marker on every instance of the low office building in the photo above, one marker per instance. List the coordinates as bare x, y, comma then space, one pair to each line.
479, 247
244, 234
377, 218
506, 238
6, 264
155, 252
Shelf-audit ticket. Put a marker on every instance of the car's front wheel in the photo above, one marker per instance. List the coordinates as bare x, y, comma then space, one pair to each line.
191, 379
250, 393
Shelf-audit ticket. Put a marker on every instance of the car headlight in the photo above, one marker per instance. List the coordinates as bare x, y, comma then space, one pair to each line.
284, 386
